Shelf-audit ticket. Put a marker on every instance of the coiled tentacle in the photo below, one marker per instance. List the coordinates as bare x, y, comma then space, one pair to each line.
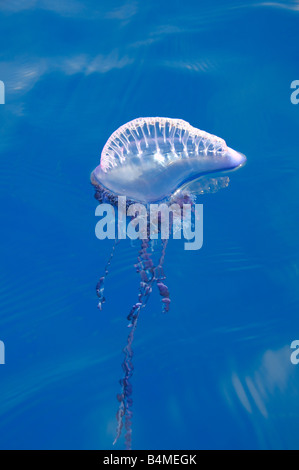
160, 276
100, 284
148, 275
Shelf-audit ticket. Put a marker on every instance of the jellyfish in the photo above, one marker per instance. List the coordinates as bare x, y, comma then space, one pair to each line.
155, 160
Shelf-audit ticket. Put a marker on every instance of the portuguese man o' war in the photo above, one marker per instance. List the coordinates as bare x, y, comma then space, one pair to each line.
155, 160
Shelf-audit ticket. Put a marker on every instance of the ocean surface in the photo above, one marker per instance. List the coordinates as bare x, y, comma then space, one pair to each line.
216, 371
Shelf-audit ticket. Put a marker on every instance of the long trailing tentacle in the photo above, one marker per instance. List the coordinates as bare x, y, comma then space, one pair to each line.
146, 269
160, 276
100, 285
149, 274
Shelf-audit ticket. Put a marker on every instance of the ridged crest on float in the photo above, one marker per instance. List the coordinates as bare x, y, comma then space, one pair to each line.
164, 138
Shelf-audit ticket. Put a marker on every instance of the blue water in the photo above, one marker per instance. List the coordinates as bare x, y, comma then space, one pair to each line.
215, 372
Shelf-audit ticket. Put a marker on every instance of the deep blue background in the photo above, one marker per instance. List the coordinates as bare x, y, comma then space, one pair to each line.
215, 372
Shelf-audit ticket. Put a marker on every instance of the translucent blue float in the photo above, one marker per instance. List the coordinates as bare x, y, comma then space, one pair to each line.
148, 159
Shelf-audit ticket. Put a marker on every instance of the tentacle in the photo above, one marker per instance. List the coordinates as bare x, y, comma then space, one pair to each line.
100, 284
145, 268
160, 276
148, 275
